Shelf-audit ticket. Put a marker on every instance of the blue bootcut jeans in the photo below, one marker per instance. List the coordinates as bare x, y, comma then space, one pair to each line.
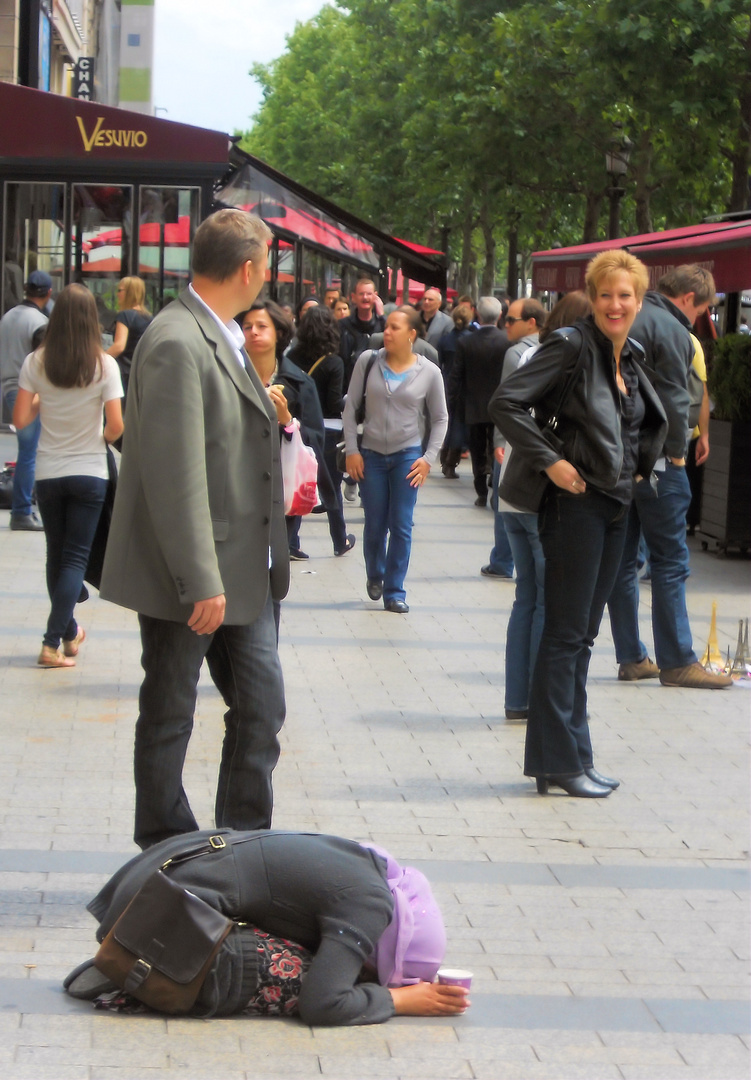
528, 611
70, 507
388, 500
582, 538
661, 515
23, 477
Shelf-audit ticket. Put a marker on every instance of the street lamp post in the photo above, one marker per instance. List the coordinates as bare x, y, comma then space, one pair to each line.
616, 162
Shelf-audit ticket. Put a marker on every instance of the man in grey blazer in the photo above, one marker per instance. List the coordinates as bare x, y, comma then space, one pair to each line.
197, 544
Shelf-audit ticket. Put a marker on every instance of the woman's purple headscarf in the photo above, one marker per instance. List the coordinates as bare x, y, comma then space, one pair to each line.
413, 945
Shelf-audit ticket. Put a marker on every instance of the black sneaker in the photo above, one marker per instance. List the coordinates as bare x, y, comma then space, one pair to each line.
298, 555
349, 543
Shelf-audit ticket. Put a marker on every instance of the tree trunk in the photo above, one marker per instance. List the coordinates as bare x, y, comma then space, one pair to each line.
467, 270
488, 270
740, 192
592, 217
643, 192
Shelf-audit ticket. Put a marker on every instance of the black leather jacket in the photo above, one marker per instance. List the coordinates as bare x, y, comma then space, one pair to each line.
590, 424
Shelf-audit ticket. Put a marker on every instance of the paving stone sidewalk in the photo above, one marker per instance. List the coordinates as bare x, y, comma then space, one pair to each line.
608, 938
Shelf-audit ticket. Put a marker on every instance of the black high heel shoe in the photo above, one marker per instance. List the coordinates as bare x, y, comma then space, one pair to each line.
580, 786
598, 778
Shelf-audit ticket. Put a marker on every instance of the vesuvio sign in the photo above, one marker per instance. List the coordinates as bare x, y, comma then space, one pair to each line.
48, 127
104, 137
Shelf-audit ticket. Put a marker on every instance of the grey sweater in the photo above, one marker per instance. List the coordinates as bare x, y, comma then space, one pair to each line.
393, 417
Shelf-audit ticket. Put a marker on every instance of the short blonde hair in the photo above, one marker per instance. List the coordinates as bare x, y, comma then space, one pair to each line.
611, 262
134, 292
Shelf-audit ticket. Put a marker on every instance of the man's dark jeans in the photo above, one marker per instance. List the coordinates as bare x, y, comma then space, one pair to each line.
244, 665
582, 538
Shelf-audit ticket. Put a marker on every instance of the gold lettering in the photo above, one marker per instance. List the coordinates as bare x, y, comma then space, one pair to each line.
110, 136
88, 143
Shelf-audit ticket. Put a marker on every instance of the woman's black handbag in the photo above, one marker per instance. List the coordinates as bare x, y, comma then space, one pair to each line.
95, 565
522, 485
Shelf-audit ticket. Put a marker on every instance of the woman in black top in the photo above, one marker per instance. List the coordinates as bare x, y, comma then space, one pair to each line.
611, 429
315, 352
131, 321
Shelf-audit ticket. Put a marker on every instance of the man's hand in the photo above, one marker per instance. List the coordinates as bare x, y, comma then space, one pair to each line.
429, 999
564, 475
500, 453
355, 466
702, 449
208, 615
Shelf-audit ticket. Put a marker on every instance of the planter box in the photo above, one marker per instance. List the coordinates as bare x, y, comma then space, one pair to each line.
726, 489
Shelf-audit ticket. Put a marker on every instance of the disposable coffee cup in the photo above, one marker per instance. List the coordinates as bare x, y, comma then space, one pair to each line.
455, 977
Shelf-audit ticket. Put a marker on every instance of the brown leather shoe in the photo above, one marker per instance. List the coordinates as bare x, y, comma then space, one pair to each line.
641, 669
694, 676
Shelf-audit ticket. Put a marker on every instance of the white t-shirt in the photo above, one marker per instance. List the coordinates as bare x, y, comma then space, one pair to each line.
72, 440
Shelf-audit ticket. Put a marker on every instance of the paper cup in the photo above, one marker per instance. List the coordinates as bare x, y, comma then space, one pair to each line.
455, 977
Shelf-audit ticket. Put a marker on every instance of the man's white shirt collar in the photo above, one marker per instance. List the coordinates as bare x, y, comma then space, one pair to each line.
232, 332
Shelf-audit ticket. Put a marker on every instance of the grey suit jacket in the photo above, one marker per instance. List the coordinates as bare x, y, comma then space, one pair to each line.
199, 500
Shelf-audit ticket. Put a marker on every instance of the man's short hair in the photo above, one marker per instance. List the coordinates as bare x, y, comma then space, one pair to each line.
226, 240
489, 310
688, 278
365, 281
533, 309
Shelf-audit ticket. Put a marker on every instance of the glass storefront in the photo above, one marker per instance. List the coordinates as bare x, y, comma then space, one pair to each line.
33, 237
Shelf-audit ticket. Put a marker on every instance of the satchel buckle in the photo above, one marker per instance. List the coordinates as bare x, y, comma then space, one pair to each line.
137, 976
216, 843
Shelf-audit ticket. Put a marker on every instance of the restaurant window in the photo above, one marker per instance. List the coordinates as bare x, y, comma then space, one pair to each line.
168, 218
285, 272
33, 237
320, 274
101, 243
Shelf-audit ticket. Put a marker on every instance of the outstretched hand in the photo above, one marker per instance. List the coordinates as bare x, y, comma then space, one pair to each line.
429, 999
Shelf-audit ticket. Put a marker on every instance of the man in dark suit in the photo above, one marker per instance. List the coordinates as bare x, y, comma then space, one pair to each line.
473, 381
198, 544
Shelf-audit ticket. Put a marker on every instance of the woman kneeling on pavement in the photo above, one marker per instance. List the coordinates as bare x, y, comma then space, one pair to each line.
611, 427
328, 929
400, 389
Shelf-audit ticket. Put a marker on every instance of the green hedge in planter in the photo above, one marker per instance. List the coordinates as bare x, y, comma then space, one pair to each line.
729, 378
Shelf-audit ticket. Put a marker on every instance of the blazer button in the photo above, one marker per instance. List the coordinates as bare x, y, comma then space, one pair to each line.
266, 520
265, 433
267, 476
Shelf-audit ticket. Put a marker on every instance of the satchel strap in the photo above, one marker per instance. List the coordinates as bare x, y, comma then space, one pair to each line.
318, 361
219, 843
360, 410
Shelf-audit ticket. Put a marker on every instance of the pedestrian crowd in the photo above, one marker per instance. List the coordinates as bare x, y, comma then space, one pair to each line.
576, 425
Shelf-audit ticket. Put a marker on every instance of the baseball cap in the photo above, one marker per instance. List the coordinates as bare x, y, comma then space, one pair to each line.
39, 283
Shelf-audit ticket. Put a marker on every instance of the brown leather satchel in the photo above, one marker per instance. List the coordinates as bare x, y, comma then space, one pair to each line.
162, 946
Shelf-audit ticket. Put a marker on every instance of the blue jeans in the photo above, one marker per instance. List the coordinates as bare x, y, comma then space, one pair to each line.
244, 665
388, 500
582, 538
501, 557
23, 477
70, 507
661, 516
528, 612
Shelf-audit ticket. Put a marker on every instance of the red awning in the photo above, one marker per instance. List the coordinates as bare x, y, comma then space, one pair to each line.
419, 248
725, 250
726, 253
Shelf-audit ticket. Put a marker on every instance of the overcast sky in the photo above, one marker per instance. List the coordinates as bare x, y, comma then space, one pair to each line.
204, 49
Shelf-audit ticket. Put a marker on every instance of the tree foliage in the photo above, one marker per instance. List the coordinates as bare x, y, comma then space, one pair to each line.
453, 118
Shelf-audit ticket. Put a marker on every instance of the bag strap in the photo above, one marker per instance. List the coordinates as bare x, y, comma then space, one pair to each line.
573, 375
318, 361
360, 411
219, 843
